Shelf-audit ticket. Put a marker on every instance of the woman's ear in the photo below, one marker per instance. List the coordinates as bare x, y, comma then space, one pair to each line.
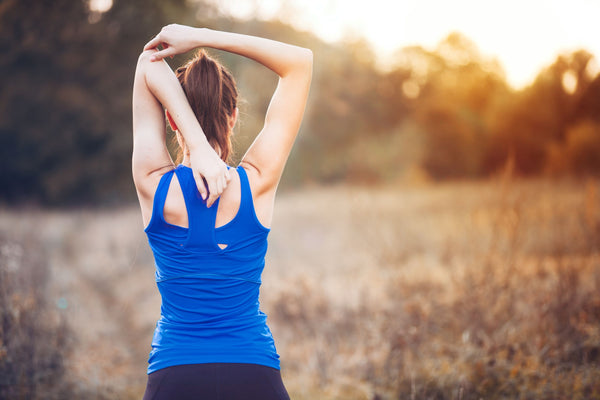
171, 122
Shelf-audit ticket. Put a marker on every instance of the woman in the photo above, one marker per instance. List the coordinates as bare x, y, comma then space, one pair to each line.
212, 341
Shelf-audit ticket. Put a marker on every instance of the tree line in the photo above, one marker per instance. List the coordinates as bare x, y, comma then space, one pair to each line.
65, 105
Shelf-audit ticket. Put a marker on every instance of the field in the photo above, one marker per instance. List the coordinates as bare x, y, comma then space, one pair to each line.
486, 290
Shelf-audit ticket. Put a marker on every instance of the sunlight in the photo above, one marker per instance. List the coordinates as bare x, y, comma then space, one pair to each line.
97, 8
592, 69
100, 5
411, 89
523, 36
569, 82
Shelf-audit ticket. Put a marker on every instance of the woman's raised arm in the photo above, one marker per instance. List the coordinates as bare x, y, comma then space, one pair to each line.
155, 87
267, 156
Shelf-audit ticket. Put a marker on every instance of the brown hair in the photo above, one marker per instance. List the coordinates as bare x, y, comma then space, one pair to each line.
212, 94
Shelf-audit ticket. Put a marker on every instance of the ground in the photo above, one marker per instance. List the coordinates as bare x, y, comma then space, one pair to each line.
457, 290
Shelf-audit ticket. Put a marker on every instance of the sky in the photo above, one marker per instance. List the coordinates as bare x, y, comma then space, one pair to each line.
524, 35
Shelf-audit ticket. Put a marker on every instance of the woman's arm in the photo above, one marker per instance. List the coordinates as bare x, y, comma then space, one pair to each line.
266, 157
155, 87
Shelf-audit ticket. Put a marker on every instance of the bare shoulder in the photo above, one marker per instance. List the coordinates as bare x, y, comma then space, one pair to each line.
259, 183
145, 186
263, 193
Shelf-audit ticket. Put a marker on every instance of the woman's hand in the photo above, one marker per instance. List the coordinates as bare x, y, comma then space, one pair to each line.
210, 173
175, 39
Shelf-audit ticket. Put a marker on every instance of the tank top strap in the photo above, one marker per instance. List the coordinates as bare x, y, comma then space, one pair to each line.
160, 196
201, 219
246, 205
246, 214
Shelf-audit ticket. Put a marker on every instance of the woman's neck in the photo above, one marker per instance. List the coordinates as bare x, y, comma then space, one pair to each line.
186, 160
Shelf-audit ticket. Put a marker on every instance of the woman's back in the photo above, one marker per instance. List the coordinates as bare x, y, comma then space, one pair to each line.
175, 212
212, 340
209, 280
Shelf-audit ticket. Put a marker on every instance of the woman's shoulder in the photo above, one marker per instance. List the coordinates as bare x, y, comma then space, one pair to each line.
146, 181
259, 184
262, 193
146, 185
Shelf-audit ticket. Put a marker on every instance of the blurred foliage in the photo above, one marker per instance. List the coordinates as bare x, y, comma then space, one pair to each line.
474, 291
33, 338
66, 78
65, 106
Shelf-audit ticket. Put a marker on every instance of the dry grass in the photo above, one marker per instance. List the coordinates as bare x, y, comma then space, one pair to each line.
457, 291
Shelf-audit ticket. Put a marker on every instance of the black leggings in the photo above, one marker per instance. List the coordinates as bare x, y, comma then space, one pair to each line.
216, 381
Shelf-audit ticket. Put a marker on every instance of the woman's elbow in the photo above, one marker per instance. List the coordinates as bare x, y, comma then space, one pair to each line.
145, 57
307, 58
303, 63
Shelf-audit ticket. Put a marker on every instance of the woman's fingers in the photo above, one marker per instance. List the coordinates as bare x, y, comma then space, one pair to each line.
201, 185
216, 187
174, 37
212, 195
159, 55
210, 172
152, 43
218, 191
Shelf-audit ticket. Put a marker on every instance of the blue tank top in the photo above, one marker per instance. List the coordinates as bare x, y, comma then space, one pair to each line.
210, 309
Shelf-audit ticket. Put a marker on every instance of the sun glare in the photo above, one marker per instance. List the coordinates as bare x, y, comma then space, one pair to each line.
524, 36
100, 5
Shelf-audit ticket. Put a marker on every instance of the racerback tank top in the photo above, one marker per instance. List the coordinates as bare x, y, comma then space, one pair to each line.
210, 308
